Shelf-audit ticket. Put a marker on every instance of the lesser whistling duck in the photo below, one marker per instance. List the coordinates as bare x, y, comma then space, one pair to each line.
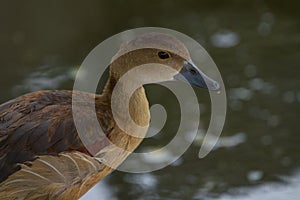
41, 154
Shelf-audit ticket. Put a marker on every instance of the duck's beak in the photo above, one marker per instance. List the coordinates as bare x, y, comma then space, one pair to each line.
195, 77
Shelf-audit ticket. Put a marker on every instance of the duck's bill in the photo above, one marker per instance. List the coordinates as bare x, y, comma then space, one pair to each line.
192, 75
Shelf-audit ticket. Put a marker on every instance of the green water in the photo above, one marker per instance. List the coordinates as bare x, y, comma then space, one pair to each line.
255, 44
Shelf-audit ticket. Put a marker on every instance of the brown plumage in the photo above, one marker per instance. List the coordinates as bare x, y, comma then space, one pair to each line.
41, 154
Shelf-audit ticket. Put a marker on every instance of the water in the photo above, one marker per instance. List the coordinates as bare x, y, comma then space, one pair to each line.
255, 44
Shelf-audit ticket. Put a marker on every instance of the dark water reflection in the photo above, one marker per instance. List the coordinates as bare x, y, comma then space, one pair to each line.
256, 47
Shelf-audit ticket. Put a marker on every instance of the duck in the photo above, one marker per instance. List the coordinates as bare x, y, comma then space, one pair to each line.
42, 155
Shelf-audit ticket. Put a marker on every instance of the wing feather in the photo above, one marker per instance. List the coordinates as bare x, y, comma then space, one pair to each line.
40, 123
52, 176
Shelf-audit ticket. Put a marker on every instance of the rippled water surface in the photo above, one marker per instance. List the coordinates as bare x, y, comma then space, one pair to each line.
255, 44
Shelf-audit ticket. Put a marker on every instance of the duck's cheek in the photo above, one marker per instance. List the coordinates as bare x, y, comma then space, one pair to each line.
151, 73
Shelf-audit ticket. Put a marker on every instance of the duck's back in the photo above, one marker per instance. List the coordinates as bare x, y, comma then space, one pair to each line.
39, 127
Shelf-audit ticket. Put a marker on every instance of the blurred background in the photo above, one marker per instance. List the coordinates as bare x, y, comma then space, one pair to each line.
256, 46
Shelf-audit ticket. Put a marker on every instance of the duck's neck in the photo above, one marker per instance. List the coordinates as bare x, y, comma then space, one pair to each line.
138, 105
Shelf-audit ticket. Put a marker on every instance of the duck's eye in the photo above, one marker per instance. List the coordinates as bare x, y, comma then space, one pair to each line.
163, 55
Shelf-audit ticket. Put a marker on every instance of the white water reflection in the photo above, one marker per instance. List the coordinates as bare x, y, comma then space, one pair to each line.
100, 191
225, 39
258, 84
147, 181
223, 141
255, 175
289, 96
240, 93
45, 77
271, 191
264, 28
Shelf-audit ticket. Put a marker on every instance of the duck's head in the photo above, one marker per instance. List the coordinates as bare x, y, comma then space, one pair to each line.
164, 49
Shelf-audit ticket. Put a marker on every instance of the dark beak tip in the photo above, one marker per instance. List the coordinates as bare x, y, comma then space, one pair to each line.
216, 86
212, 86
